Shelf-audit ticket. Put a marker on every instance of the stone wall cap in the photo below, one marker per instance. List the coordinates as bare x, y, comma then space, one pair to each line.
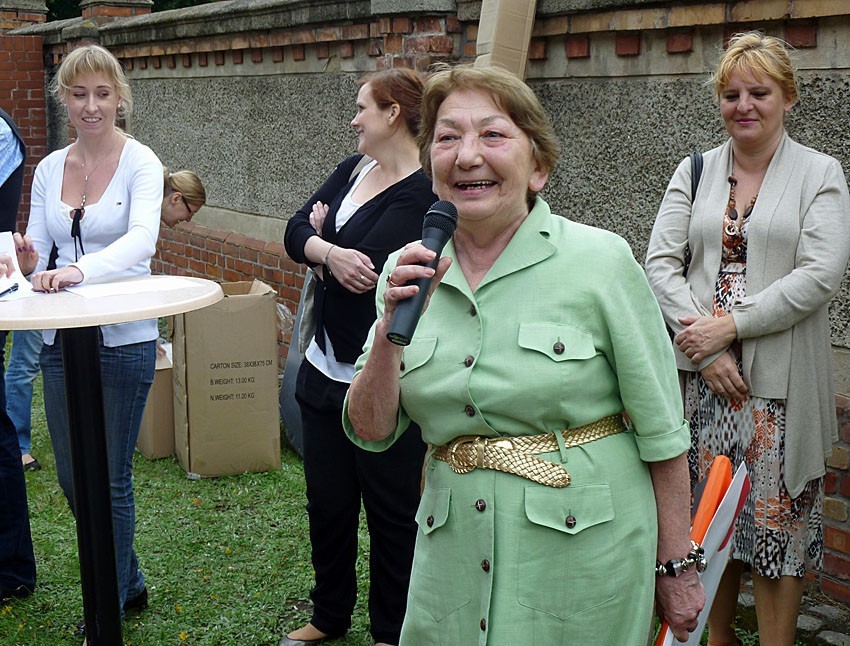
45, 28
30, 6
238, 8
573, 6
471, 9
87, 28
389, 7
229, 17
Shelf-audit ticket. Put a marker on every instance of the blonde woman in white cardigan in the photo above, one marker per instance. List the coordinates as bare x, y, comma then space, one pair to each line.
744, 276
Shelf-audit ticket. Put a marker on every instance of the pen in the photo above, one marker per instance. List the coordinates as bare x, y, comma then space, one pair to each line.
9, 290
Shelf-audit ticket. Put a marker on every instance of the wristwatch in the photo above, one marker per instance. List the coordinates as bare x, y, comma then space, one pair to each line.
675, 567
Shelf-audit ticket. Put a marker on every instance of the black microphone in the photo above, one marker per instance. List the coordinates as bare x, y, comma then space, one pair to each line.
438, 227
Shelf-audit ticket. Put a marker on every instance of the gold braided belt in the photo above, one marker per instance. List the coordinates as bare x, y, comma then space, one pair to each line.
516, 454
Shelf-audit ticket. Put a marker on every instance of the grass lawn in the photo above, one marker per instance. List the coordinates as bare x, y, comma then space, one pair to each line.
226, 560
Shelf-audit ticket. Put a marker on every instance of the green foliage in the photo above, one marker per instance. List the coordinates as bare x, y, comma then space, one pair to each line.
165, 5
62, 9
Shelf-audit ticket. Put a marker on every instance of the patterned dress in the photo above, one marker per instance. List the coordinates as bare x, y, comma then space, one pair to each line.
776, 534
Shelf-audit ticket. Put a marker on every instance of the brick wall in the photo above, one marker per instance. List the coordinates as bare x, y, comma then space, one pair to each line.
413, 42
190, 249
22, 96
834, 579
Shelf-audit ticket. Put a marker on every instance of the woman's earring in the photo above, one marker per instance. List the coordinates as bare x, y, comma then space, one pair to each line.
121, 112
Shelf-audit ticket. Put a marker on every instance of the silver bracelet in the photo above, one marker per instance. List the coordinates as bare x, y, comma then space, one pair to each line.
328, 255
675, 567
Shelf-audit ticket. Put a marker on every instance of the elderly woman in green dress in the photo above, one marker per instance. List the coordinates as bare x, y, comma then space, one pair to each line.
544, 512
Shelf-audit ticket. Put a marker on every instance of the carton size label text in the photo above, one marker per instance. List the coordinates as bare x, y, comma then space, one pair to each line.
225, 382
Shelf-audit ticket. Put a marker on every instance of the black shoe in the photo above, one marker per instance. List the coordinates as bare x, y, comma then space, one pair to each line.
139, 602
32, 465
286, 641
18, 593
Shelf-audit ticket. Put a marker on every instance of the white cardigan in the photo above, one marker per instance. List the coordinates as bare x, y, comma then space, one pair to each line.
797, 252
119, 232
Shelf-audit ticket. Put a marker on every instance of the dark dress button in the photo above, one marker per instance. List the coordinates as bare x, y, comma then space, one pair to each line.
483, 624
429, 521
480, 504
559, 348
469, 410
571, 521
469, 361
472, 311
485, 565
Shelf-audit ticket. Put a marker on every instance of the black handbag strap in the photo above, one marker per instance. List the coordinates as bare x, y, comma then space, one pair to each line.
696, 172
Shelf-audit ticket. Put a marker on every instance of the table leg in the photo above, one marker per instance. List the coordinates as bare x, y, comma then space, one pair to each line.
84, 393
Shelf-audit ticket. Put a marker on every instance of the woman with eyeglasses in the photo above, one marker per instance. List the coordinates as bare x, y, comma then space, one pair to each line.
183, 196
98, 200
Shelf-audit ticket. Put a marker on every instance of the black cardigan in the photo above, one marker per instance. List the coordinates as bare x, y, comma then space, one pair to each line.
385, 223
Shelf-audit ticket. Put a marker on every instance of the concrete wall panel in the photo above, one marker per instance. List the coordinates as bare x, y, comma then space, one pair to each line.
262, 144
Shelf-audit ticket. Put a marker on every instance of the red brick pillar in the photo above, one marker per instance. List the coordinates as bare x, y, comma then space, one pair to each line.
103, 11
835, 577
22, 96
20, 13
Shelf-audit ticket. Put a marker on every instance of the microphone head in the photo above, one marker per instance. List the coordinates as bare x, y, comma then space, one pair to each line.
442, 215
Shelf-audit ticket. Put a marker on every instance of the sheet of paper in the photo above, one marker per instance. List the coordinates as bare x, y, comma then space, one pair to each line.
129, 287
23, 289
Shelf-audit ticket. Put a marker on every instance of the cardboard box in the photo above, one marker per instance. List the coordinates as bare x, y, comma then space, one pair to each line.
226, 417
156, 437
504, 34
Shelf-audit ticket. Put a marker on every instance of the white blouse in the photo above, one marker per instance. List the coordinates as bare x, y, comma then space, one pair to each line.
119, 231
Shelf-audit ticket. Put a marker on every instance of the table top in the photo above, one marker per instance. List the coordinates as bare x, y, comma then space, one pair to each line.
65, 309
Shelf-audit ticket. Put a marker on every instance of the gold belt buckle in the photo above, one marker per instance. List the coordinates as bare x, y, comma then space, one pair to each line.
460, 462
457, 465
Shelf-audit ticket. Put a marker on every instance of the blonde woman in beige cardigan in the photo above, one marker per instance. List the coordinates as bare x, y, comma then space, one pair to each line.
744, 276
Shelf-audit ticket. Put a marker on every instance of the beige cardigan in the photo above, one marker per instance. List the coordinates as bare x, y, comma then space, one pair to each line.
799, 243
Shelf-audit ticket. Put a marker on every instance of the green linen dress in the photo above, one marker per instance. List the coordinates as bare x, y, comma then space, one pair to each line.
562, 331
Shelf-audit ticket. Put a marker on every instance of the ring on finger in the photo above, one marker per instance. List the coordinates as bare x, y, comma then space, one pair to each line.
391, 282
362, 278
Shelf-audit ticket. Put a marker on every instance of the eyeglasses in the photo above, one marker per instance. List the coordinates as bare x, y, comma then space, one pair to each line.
188, 208
76, 217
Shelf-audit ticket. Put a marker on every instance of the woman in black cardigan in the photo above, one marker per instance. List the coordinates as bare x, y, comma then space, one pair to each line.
345, 231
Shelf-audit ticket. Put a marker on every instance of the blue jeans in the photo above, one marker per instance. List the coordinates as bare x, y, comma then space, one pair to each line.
127, 374
23, 369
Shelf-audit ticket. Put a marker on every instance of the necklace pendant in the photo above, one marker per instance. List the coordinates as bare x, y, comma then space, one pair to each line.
732, 212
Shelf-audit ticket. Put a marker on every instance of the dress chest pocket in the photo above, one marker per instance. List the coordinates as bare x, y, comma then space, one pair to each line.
566, 545
556, 341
